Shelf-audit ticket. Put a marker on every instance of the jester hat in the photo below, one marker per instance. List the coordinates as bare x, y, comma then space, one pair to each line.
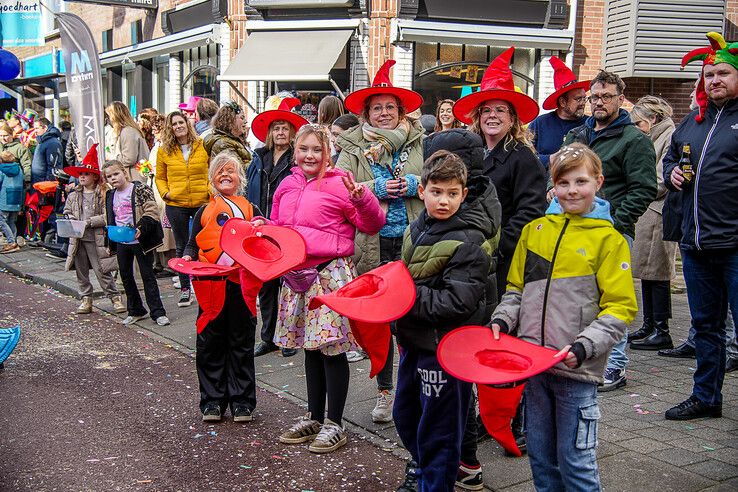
381, 84
497, 83
90, 164
370, 302
719, 51
472, 354
260, 125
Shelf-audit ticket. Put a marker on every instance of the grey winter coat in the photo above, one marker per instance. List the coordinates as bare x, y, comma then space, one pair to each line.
73, 208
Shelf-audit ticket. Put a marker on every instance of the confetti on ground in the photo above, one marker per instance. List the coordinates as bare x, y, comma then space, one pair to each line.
245, 467
708, 448
277, 457
143, 481
689, 427
633, 395
213, 433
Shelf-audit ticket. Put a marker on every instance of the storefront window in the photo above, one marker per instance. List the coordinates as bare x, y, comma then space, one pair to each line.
443, 71
200, 71
162, 87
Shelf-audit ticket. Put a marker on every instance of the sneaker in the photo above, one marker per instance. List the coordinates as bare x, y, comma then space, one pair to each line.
614, 379
10, 248
469, 478
118, 306
383, 409
132, 319
693, 408
85, 307
731, 364
411, 478
288, 352
331, 437
211, 413
355, 355
20, 241
264, 348
242, 413
162, 321
185, 298
305, 429
175, 282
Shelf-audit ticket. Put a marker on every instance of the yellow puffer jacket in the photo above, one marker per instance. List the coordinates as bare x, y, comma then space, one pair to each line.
186, 182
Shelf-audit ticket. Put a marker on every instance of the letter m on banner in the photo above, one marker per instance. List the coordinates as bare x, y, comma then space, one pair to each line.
80, 62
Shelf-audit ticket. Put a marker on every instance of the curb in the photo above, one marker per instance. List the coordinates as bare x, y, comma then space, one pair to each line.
36, 279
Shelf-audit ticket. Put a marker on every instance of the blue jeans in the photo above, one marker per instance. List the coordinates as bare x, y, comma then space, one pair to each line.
7, 225
561, 431
712, 284
618, 358
730, 338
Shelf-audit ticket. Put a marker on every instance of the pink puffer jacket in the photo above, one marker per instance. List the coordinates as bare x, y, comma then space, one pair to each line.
324, 213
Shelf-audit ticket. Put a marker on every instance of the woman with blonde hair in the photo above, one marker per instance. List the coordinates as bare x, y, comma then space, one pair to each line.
129, 144
182, 180
445, 119
653, 258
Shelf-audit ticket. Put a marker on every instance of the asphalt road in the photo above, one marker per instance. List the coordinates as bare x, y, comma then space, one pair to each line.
87, 404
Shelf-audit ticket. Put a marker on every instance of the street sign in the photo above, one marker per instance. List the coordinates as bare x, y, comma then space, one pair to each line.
134, 4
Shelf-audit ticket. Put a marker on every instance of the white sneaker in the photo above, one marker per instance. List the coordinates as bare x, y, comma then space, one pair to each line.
382, 412
132, 319
162, 321
355, 355
175, 283
331, 437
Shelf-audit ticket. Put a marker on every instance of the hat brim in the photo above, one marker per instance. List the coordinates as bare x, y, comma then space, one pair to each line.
186, 107
411, 100
75, 171
266, 251
550, 102
200, 268
471, 353
381, 295
525, 106
260, 125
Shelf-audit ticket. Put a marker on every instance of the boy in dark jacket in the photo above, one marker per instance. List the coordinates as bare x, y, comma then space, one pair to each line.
445, 251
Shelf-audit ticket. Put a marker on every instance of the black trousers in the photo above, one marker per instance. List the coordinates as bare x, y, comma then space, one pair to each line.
269, 307
126, 253
179, 218
469, 441
656, 295
326, 376
390, 249
225, 355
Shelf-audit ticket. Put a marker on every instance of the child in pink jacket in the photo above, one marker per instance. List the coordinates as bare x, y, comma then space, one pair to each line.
326, 206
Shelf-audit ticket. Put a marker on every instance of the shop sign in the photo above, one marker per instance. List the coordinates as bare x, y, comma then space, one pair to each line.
134, 4
20, 23
299, 4
467, 73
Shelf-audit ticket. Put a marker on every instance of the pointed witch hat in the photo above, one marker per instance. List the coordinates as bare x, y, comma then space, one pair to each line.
90, 164
564, 81
260, 125
381, 84
371, 301
497, 83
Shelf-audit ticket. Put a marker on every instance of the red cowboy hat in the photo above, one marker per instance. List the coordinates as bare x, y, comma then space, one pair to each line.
200, 268
260, 125
497, 83
370, 302
381, 85
564, 81
90, 164
471, 353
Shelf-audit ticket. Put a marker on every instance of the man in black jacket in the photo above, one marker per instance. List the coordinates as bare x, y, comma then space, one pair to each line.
709, 228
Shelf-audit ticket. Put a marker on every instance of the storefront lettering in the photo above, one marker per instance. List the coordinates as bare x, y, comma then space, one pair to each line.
19, 6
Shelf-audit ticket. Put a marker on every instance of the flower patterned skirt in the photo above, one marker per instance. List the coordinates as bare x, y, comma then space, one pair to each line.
317, 329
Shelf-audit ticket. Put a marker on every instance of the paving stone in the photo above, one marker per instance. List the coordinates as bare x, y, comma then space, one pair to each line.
630, 424
643, 445
728, 486
632, 471
678, 456
696, 444
713, 469
613, 434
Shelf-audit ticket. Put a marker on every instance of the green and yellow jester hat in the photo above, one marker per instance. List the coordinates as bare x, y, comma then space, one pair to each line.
719, 51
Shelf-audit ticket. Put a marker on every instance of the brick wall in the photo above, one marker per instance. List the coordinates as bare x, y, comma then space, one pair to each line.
588, 38
380, 48
675, 91
237, 20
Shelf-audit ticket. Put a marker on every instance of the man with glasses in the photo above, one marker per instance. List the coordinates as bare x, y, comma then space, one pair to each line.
629, 167
568, 101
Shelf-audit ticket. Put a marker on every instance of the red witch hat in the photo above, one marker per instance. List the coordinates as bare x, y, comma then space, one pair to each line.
497, 83
90, 164
371, 301
564, 81
260, 125
381, 85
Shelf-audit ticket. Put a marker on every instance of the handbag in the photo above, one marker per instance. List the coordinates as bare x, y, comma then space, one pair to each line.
299, 281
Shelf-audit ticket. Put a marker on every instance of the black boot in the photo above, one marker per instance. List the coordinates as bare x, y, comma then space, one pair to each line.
659, 339
643, 332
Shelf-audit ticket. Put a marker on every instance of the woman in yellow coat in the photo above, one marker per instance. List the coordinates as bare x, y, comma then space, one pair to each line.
182, 181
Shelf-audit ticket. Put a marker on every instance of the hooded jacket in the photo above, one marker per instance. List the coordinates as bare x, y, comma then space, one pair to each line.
263, 184
218, 141
449, 261
47, 157
628, 164
570, 281
352, 159
22, 155
325, 214
709, 206
11, 187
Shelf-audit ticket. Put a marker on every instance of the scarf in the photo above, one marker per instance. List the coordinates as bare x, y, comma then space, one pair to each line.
383, 144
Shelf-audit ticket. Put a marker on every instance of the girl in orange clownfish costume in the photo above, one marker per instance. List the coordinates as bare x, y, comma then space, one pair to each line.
225, 339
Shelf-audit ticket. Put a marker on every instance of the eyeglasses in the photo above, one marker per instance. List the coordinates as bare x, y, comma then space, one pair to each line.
605, 98
499, 110
580, 99
379, 109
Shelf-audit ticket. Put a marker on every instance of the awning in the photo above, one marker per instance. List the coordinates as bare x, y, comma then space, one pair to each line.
279, 56
48, 80
454, 33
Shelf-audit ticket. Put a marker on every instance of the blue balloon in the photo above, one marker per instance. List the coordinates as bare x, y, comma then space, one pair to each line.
9, 65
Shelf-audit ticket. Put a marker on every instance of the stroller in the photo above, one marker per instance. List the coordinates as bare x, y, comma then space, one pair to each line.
42, 206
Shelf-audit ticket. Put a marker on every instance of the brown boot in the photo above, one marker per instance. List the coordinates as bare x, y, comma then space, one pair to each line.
85, 307
118, 306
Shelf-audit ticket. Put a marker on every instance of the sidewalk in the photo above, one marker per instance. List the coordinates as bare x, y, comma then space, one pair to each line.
638, 449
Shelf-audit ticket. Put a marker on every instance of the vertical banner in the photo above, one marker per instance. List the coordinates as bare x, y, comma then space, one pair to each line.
84, 89
20, 23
